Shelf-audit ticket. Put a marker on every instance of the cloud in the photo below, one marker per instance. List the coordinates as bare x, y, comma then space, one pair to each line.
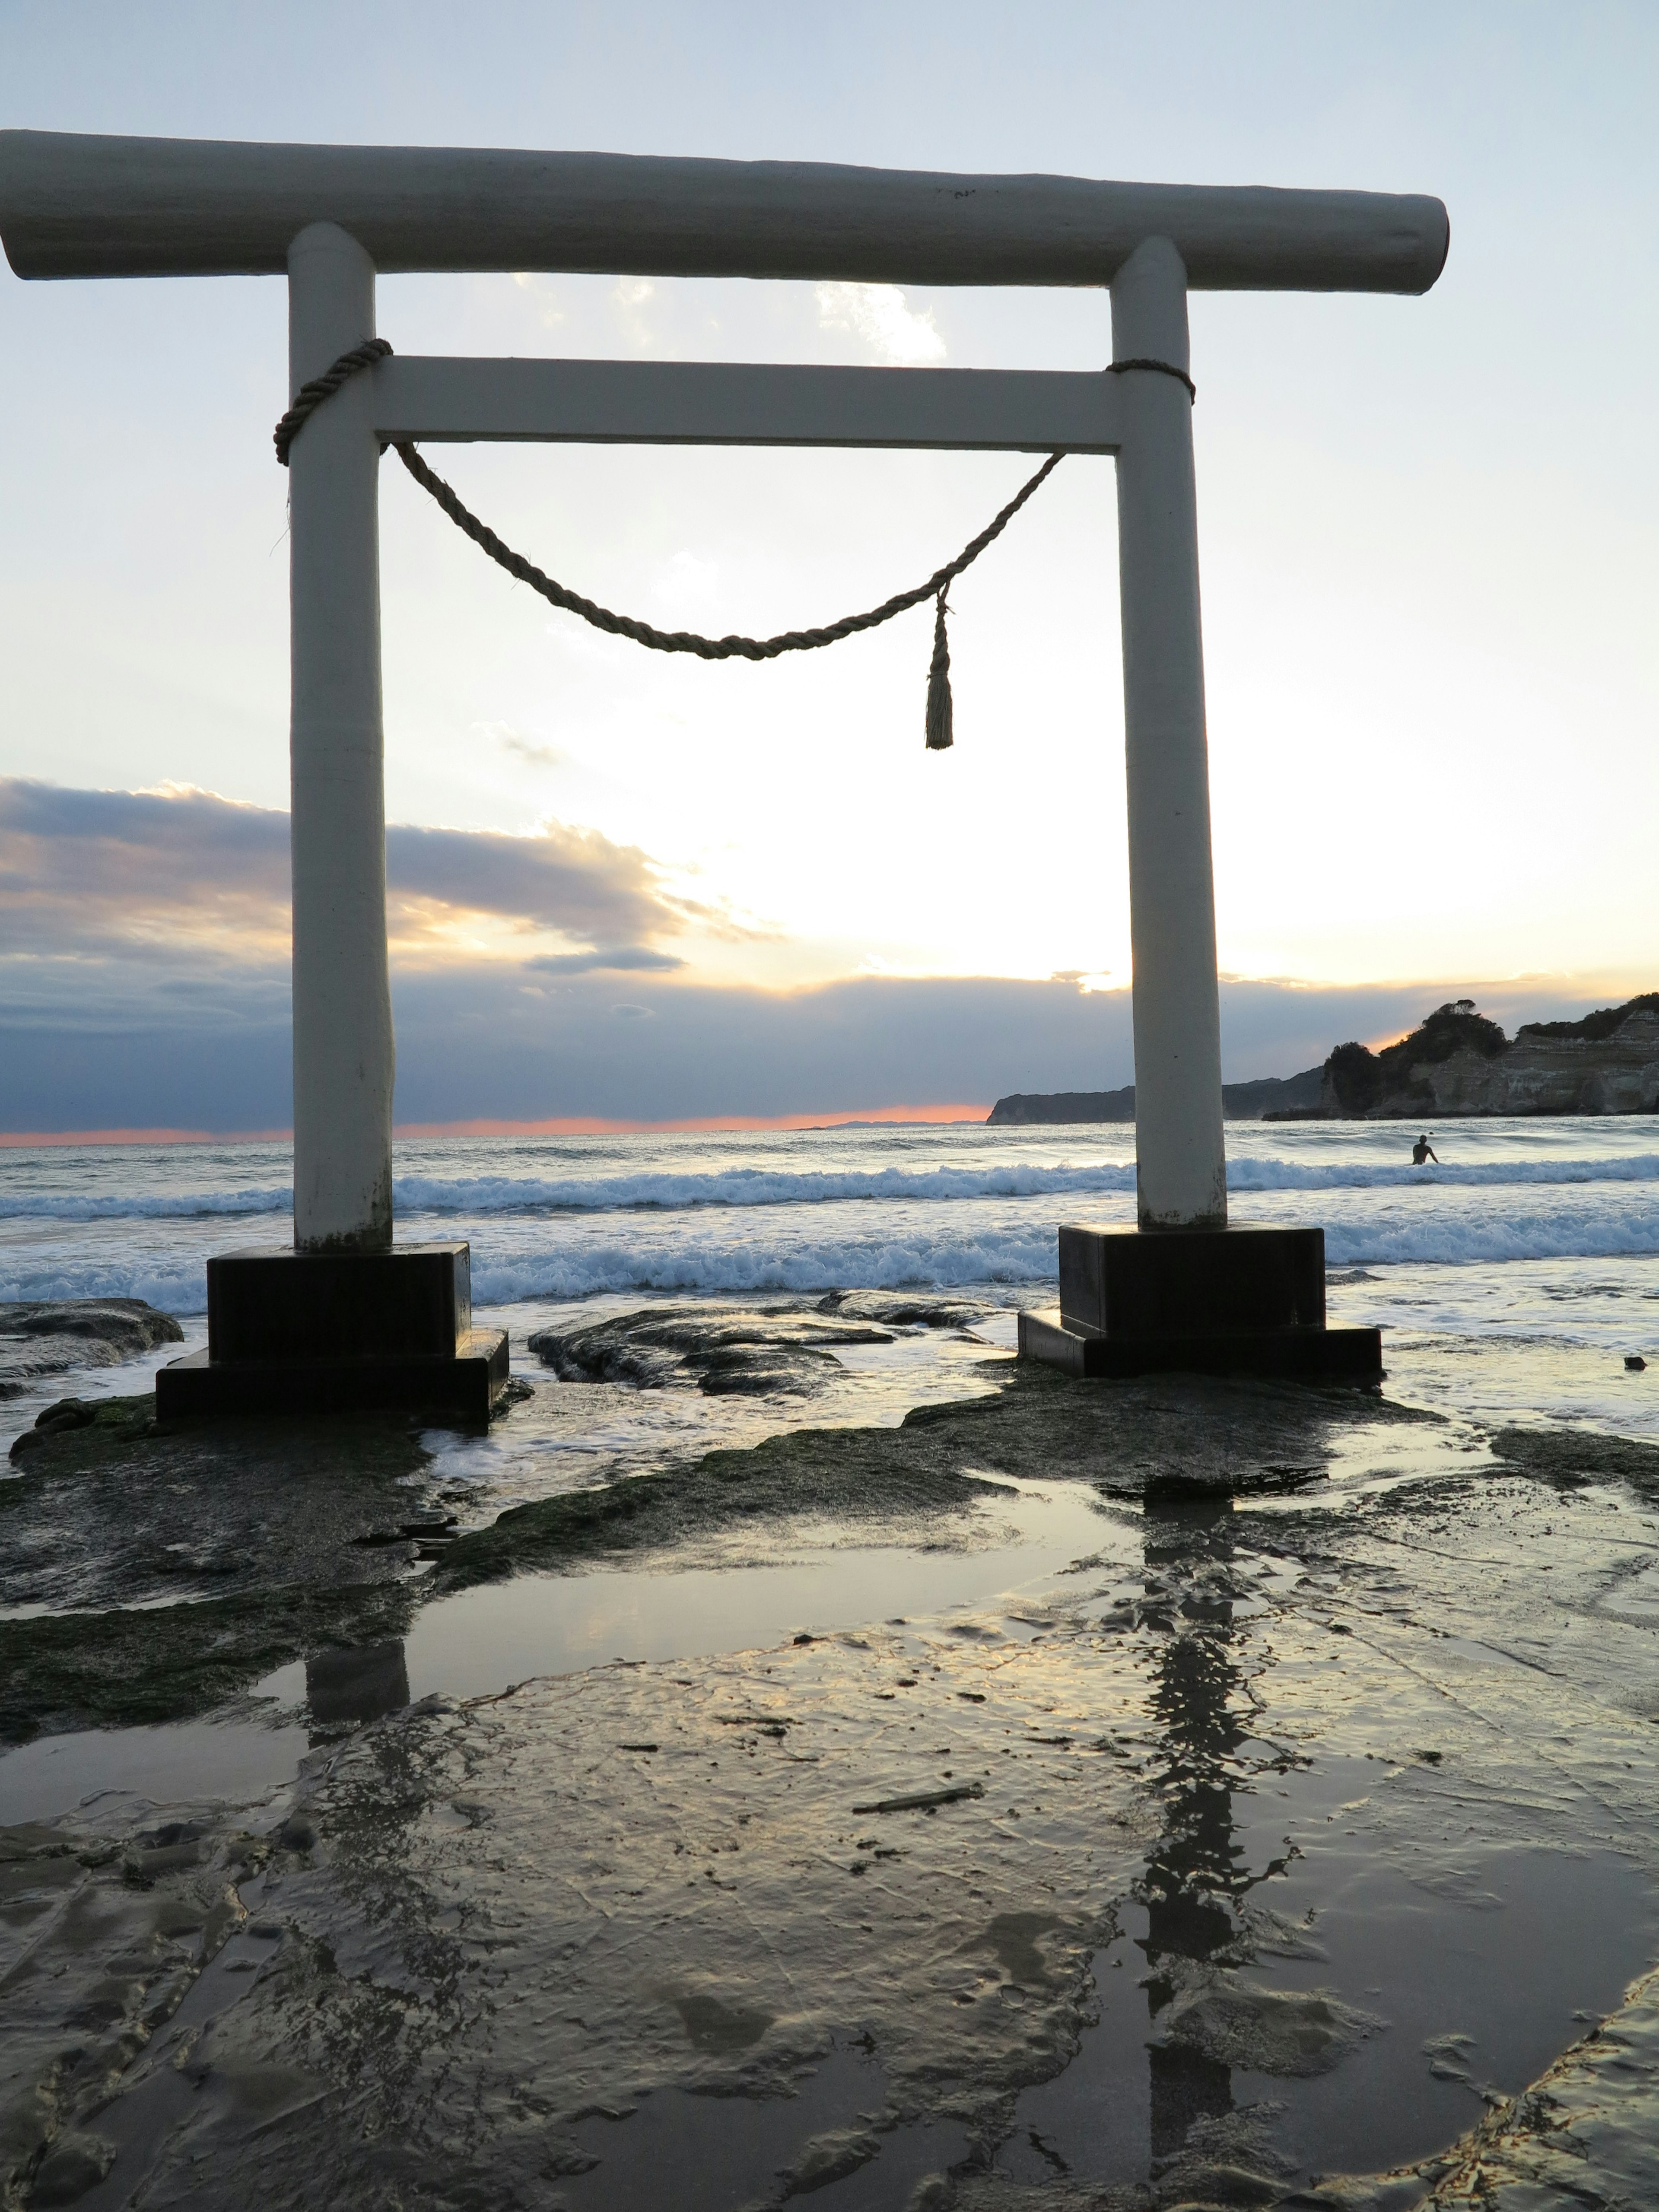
527, 749
688, 583
179, 870
549, 312
877, 314
575, 881
630, 299
144, 981
629, 957
91, 1043
86, 868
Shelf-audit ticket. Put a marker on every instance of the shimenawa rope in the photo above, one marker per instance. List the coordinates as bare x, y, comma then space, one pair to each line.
312, 395
1164, 368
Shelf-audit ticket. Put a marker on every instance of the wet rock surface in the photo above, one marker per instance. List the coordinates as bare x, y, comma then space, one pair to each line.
1291, 1833
113, 1509
903, 1309
717, 1348
1125, 1439
157, 1574
105, 1931
51, 1336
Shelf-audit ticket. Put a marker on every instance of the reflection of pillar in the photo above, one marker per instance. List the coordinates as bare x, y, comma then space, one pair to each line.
1193, 1871
1181, 1169
342, 1047
357, 1685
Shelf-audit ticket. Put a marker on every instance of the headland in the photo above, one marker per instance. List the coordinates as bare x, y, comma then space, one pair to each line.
1456, 1064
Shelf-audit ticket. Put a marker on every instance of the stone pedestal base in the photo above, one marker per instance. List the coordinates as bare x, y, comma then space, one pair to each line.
1248, 1301
1308, 1355
328, 1332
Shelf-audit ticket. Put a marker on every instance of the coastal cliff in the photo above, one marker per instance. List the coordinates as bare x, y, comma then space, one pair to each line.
1458, 1063
1455, 1063
1240, 1102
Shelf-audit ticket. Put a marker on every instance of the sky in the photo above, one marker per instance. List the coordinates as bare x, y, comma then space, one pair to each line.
627, 886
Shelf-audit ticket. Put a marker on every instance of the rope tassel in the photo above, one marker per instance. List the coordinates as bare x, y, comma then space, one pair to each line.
938, 686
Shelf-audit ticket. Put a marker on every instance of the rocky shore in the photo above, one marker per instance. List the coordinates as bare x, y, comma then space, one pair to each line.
1170, 1794
1245, 1847
40, 1337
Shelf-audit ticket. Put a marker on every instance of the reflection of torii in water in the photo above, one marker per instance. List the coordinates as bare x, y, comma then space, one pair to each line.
1193, 1881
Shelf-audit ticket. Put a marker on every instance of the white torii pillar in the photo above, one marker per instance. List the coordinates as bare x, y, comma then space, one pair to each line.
1181, 1165
343, 1055
327, 216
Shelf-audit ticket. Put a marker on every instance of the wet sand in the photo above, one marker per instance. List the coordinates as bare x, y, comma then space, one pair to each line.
1127, 1795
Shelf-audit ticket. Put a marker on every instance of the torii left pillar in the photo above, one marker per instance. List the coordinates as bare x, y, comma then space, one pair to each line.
344, 1056
343, 1318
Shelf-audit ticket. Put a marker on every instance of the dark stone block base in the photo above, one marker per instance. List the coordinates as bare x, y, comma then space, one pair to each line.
1123, 1281
1311, 1355
331, 1332
464, 1387
278, 1303
1244, 1301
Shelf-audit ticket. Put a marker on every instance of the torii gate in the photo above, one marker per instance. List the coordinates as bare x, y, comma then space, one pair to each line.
344, 1318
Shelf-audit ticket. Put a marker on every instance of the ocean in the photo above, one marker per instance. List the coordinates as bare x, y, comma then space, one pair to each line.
1511, 1281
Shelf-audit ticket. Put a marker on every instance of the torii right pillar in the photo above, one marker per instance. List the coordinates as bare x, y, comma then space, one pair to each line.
1181, 1289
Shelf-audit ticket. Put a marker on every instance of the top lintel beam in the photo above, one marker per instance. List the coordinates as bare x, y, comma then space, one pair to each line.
76, 205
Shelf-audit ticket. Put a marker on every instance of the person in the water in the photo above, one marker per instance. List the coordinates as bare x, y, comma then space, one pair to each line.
1422, 1149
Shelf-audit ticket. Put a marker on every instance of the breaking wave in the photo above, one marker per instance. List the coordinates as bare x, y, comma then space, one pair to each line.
930, 1263
588, 1262
1466, 1239
1474, 1175
177, 1286
658, 1191
139, 1205
586, 1268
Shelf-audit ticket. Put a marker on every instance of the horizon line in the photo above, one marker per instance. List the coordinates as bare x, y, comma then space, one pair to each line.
579, 1125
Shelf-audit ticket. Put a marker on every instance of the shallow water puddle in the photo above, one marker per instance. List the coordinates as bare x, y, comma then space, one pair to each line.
1484, 1972
482, 1639
724, 2151
185, 1762
1352, 2016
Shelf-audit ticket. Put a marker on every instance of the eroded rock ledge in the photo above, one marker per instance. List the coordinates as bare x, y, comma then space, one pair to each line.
49, 1336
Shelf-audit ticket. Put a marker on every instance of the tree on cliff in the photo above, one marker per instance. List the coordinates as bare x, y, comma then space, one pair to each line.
1356, 1078
1601, 1024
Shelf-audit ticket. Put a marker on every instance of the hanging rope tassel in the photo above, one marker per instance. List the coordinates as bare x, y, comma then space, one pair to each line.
939, 687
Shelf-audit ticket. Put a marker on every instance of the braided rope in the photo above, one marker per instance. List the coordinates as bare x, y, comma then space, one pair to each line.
310, 397
711, 649
1164, 368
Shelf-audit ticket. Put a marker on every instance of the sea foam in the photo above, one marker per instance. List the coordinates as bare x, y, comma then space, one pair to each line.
666, 1259
658, 1191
